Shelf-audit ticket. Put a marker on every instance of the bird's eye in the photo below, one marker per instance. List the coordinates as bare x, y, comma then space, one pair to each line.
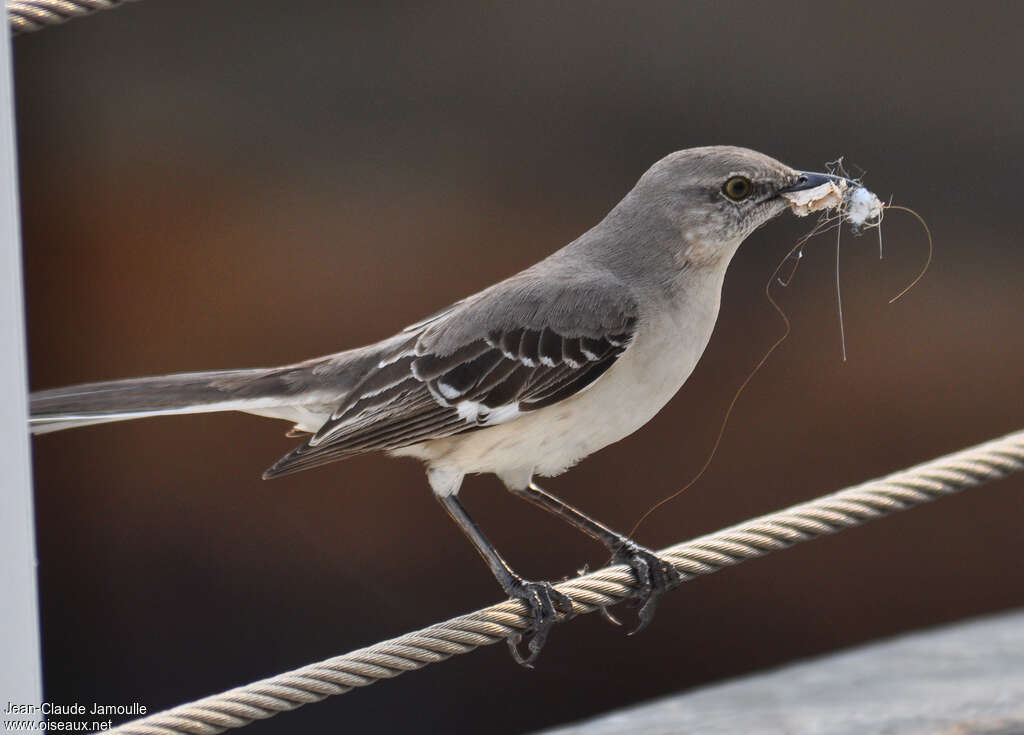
736, 188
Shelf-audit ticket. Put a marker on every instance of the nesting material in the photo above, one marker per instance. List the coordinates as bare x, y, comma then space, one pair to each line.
862, 206
855, 203
826, 196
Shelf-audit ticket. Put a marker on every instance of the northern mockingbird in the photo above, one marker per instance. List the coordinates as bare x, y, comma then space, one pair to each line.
522, 379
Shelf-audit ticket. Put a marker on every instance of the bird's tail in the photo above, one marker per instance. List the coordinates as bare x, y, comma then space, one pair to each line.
257, 390
302, 393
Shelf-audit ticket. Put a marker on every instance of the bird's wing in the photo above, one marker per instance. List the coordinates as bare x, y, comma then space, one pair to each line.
517, 347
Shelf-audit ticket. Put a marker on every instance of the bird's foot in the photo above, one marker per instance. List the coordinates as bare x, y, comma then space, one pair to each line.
544, 603
655, 575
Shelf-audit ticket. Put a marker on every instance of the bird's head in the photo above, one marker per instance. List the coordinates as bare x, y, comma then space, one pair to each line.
714, 197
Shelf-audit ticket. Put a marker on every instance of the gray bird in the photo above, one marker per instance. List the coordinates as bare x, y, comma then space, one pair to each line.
522, 379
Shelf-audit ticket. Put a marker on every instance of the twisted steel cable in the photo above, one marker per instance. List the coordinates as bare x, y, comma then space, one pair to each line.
34, 15
825, 515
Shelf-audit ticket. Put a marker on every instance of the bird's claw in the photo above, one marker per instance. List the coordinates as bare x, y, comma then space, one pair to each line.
545, 603
655, 576
608, 616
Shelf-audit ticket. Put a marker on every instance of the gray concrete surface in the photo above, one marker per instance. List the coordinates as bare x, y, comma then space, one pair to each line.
961, 679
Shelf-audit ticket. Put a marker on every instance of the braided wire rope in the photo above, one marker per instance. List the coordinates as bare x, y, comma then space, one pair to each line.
25, 16
754, 538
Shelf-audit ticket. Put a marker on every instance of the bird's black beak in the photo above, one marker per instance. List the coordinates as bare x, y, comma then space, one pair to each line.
808, 180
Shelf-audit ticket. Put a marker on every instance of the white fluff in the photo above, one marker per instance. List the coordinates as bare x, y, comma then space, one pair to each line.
861, 206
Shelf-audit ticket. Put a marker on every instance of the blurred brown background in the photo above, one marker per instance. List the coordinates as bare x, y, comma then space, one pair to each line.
244, 183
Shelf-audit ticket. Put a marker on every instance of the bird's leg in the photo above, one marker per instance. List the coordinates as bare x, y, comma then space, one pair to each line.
544, 601
653, 573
